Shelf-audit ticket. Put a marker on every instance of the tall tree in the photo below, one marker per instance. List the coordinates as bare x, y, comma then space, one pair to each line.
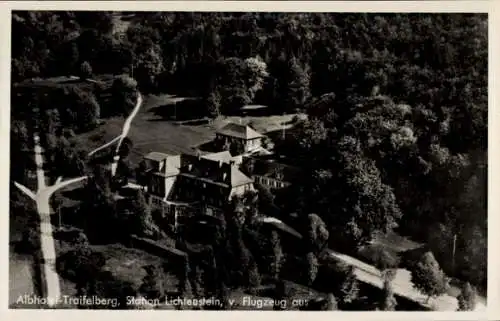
349, 289
124, 95
297, 90
81, 265
317, 233
388, 302
277, 255
384, 261
312, 268
152, 286
467, 298
213, 104
88, 110
427, 276
145, 224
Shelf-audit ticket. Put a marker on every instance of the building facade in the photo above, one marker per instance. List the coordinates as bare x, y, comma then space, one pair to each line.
186, 184
244, 135
269, 173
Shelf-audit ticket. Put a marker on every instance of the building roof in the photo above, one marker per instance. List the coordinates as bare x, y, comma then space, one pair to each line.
253, 107
213, 171
239, 131
272, 169
260, 151
224, 156
156, 156
238, 178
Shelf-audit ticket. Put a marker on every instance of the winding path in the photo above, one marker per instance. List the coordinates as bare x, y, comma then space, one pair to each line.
125, 130
42, 198
111, 142
119, 138
47, 244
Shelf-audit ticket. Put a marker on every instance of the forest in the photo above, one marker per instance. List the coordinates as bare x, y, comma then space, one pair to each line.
397, 105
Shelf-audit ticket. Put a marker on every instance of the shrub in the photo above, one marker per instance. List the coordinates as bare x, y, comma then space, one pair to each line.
428, 277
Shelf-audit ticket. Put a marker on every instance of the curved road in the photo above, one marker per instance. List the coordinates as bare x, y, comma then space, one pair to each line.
402, 284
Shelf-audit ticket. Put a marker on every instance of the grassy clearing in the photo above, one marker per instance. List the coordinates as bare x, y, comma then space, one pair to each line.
105, 80
126, 264
395, 242
20, 276
149, 132
262, 124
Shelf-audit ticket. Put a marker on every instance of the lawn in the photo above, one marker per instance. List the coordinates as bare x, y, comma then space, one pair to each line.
127, 264
153, 133
149, 132
395, 242
20, 277
262, 124
105, 80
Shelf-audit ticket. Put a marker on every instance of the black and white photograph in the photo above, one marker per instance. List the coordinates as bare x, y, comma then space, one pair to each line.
248, 160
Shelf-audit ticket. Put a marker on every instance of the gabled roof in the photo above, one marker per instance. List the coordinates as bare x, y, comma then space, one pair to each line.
274, 170
156, 156
238, 178
213, 171
224, 156
239, 131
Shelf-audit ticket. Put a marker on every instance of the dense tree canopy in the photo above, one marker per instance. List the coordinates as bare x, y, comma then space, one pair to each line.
396, 104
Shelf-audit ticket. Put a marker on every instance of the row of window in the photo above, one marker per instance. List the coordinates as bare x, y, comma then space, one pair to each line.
254, 143
269, 182
155, 185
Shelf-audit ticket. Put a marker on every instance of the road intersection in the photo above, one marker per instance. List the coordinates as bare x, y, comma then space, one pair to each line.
42, 199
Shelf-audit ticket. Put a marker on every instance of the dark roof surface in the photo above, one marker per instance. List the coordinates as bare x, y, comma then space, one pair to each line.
156, 156
213, 171
239, 131
273, 169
